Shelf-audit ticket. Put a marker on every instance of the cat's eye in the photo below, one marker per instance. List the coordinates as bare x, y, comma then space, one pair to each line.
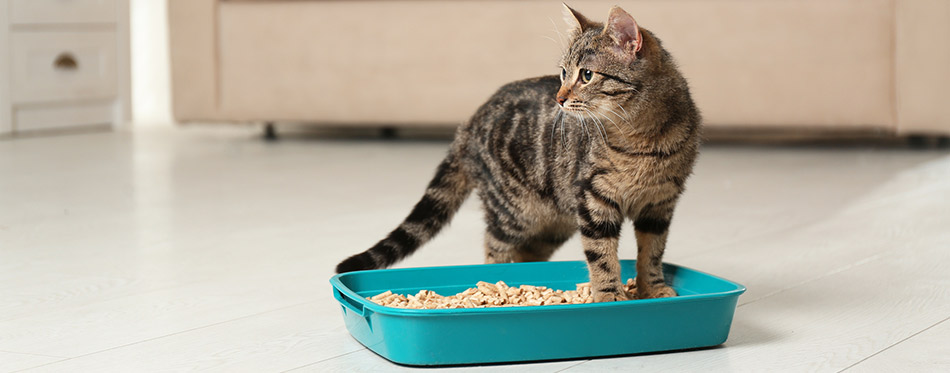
586, 76
563, 74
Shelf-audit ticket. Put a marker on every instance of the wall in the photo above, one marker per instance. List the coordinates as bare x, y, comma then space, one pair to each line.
150, 64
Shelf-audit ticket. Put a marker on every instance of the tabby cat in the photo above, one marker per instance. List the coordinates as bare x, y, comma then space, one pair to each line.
614, 137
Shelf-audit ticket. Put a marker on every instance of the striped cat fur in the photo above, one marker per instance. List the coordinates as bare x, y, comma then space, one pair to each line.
613, 138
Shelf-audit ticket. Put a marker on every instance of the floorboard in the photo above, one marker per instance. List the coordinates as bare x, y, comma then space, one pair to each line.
927, 351
271, 341
10, 362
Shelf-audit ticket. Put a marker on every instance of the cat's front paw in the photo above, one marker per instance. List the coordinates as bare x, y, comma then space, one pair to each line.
600, 296
661, 291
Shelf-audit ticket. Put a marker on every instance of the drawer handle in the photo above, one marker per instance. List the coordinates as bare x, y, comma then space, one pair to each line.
66, 61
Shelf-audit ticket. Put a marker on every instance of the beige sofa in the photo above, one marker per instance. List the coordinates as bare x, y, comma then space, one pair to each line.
879, 65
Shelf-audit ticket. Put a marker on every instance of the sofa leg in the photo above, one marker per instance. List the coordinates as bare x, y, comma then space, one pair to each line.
388, 133
943, 142
922, 142
270, 132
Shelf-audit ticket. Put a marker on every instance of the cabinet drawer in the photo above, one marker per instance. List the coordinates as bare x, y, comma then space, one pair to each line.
62, 11
58, 116
60, 66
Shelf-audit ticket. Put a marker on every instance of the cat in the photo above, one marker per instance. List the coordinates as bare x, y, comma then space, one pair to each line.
614, 137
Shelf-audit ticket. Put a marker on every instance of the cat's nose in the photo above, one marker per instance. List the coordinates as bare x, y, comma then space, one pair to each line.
561, 100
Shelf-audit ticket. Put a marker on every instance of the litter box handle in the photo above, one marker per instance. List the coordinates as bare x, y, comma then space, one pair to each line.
350, 303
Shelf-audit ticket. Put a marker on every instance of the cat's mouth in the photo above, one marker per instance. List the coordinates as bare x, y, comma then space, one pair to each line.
599, 114
578, 110
572, 106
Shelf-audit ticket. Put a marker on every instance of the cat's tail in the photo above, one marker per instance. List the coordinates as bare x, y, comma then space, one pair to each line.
443, 197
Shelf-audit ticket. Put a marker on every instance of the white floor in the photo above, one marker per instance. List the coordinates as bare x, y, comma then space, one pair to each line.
208, 249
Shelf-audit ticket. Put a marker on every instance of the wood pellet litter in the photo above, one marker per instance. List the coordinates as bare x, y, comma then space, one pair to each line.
499, 294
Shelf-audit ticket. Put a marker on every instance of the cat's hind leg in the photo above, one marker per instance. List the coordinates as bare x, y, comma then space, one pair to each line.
541, 246
502, 246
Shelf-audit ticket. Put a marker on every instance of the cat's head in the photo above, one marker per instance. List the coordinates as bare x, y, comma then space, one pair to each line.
603, 64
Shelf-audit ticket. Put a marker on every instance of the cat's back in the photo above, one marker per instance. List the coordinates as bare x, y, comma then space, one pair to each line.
532, 96
503, 141
540, 89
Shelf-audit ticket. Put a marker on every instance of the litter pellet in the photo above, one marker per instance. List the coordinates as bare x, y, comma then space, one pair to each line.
499, 294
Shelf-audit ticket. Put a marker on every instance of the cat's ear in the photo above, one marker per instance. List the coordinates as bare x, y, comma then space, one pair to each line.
576, 22
623, 29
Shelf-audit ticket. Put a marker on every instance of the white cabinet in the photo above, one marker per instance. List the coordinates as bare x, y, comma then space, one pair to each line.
63, 64
27, 12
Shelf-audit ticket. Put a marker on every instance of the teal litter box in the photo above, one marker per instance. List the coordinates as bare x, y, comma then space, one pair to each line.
699, 317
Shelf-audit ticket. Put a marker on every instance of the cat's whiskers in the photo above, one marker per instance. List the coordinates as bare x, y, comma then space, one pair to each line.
558, 121
562, 133
558, 32
552, 40
614, 113
610, 119
625, 112
629, 118
591, 114
619, 128
583, 122
598, 123
581, 117
584, 107
586, 128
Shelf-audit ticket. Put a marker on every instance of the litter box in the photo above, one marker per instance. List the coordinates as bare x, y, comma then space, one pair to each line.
699, 317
